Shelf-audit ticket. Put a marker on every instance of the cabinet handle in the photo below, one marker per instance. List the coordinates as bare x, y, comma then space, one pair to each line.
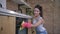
1, 28
32, 31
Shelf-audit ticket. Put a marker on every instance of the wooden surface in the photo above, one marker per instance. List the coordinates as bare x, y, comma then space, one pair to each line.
0, 25
8, 24
31, 30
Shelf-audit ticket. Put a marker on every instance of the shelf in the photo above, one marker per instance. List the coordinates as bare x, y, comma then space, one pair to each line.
12, 13
22, 2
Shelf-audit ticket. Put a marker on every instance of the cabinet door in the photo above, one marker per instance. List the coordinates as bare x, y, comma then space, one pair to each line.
31, 30
8, 25
0, 24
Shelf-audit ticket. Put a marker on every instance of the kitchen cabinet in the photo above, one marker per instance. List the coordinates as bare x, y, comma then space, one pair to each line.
8, 21
7, 25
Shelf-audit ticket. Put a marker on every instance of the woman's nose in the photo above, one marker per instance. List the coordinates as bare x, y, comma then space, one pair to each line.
35, 12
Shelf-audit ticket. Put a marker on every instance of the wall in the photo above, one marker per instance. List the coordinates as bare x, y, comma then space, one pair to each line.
57, 17
50, 14
14, 6
11, 5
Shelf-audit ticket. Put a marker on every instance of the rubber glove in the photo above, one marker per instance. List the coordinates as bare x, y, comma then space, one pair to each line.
28, 25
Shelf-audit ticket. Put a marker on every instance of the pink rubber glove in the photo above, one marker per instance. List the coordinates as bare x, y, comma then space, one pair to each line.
28, 25
24, 25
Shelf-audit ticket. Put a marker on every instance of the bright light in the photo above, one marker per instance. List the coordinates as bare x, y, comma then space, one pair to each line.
12, 12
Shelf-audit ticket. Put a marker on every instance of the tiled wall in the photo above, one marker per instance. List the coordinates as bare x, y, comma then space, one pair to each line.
57, 17
14, 6
11, 5
50, 13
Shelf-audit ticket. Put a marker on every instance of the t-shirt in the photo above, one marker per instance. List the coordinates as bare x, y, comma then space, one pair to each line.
40, 27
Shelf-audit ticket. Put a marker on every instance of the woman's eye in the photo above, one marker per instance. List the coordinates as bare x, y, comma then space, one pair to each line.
37, 11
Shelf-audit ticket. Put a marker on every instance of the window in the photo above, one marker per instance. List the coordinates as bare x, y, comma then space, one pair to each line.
19, 9
29, 11
0, 5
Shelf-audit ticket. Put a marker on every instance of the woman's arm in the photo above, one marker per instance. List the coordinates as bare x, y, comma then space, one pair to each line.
38, 23
29, 25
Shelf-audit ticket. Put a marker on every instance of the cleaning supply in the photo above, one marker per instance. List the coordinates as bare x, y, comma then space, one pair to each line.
22, 27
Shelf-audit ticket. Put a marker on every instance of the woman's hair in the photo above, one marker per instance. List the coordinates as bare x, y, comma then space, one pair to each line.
40, 8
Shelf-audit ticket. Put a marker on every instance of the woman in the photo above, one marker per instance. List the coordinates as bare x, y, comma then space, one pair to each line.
37, 21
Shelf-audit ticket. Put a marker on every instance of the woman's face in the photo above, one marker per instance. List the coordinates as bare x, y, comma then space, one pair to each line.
36, 12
